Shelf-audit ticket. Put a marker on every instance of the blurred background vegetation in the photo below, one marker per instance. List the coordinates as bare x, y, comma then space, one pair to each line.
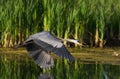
93, 22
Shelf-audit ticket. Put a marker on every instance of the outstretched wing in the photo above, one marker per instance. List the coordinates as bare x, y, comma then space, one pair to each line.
41, 57
51, 43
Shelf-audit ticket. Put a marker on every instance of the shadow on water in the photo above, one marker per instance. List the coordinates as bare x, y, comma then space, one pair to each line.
19, 66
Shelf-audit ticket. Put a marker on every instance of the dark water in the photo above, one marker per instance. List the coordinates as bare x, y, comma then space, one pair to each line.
21, 66
26, 69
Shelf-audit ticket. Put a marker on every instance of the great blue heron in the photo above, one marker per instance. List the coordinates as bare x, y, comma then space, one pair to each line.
40, 45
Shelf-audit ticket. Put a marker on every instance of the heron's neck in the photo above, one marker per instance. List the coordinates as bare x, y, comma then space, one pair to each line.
70, 40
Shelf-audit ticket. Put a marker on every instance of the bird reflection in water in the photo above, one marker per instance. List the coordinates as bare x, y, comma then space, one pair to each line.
45, 76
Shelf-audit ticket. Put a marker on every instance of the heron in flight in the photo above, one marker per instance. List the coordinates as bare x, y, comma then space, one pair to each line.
40, 45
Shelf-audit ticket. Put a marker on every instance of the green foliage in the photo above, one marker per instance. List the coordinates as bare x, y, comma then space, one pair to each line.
90, 21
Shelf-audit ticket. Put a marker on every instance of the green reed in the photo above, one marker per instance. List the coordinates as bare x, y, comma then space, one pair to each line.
90, 21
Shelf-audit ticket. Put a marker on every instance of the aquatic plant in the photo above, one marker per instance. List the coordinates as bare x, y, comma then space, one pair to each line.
92, 22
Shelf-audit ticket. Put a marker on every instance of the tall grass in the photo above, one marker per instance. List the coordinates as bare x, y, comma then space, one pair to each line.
92, 22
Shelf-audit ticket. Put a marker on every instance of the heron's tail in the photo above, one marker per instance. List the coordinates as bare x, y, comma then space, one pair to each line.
23, 44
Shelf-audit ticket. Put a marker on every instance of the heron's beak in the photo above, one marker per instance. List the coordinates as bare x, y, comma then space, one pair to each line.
78, 43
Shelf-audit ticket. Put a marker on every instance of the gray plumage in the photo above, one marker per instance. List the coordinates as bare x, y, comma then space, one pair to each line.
40, 45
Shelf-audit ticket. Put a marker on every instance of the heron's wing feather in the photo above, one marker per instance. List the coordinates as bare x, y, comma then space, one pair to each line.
49, 42
41, 57
63, 53
58, 49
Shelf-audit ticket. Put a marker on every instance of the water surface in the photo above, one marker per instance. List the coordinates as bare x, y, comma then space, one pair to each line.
89, 64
